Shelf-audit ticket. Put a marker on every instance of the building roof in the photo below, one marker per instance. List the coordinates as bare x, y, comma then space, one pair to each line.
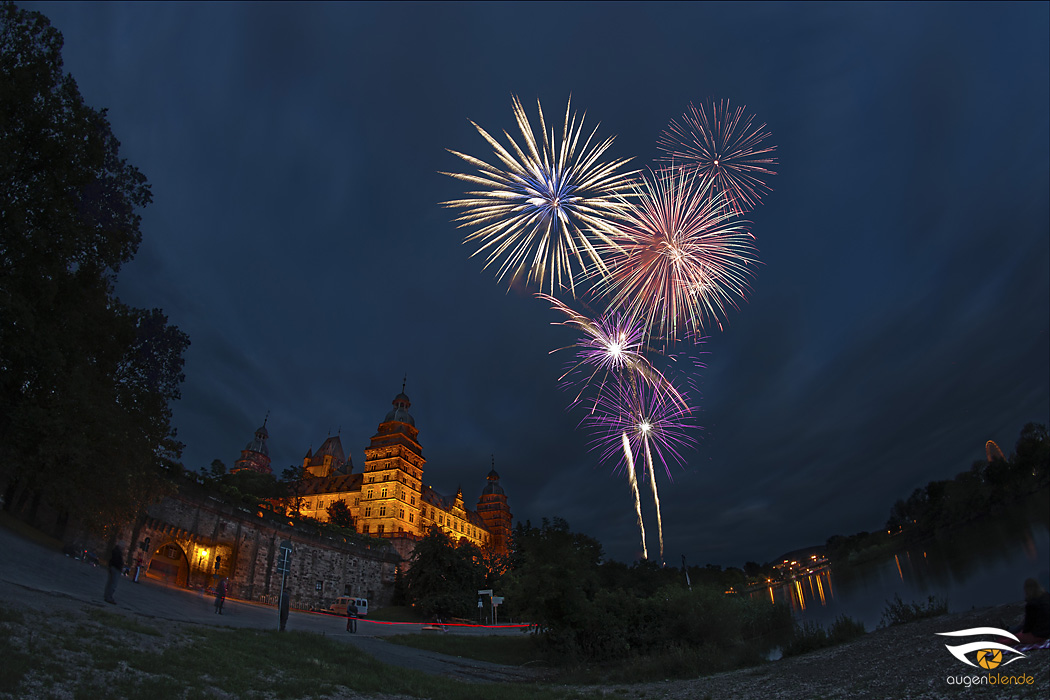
400, 410
338, 483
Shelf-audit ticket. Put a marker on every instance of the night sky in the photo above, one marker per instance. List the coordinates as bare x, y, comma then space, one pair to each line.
899, 319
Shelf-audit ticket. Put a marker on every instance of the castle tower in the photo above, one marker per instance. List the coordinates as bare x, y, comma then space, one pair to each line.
495, 513
392, 477
256, 455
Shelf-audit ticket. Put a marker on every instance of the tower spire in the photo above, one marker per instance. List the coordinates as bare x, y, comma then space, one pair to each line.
404, 382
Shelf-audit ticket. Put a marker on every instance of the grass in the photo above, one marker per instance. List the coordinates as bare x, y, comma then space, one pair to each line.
897, 612
519, 650
98, 653
810, 637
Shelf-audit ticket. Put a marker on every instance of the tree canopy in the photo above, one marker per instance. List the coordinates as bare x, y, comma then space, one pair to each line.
85, 380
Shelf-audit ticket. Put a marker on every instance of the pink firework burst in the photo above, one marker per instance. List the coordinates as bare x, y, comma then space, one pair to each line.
681, 259
723, 144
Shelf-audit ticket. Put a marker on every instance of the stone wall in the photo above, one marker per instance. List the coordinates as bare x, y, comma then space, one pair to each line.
193, 539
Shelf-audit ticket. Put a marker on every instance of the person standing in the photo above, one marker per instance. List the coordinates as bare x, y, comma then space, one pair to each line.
220, 595
116, 568
351, 616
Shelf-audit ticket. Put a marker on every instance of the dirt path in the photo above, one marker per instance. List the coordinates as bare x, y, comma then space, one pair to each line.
37, 579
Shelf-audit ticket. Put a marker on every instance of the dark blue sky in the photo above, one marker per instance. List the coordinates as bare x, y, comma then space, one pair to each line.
899, 320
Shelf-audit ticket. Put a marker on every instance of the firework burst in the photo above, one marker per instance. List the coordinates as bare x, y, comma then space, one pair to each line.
681, 259
646, 416
633, 419
723, 144
543, 210
611, 346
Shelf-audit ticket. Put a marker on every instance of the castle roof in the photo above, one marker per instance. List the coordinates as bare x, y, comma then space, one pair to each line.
338, 483
400, 410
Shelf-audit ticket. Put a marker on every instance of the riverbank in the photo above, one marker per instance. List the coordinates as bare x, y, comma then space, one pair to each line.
904, 662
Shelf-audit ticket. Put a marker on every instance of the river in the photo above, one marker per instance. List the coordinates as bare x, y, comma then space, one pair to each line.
978, 565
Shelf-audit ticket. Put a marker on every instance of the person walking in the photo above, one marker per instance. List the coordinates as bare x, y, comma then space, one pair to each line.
220, 595
116, 568
351, 616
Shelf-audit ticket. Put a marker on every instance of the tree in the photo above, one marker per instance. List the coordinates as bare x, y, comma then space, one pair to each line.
444, 578
339, 514
85, 380
292, 481
556, 573
218, 469
1032, 452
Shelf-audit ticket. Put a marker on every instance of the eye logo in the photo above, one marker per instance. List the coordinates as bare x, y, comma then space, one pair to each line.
989, 658
989, 654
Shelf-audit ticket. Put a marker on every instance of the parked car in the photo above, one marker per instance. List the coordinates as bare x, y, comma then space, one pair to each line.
339, 606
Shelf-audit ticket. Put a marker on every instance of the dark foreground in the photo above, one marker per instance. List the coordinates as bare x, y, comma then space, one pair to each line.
51, 615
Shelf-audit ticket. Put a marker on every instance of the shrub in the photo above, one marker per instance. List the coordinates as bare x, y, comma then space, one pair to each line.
810, 636
898, 612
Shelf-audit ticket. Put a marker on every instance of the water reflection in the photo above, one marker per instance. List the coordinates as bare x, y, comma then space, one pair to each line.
801, 592
979, 565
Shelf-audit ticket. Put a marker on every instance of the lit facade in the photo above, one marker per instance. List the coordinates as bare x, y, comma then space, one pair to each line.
389, 499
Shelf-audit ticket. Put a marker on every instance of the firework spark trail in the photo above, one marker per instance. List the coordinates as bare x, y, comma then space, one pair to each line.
546, 205
633, 480
612, 346
680, 259
631, 418
656, 496
719, 142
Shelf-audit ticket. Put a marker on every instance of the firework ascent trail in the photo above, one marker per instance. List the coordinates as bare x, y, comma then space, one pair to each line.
632, 479
656, 496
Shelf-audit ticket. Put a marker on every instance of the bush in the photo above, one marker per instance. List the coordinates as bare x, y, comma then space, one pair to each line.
898, 612
810, 637
616, 625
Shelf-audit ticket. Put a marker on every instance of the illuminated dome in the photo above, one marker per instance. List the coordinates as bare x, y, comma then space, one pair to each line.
493, 485
400, 410
258, 444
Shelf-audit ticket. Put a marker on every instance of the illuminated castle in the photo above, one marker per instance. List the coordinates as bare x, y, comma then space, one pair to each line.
389, 499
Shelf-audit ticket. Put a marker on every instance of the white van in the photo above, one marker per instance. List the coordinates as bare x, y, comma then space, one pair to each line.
339, 606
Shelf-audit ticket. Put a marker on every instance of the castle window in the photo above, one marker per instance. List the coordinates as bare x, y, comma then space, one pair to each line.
379, 530
382, 511
413, 500
410, 517
364, 529
401, 513
357, 500
368, 514
307, 504
386, 477
383, 495
369, 493
320, 504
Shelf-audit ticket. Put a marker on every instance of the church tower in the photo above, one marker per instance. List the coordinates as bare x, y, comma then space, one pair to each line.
256, 455
392, 477
495, 513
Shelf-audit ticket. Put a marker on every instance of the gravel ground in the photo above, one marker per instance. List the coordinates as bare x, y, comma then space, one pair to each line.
897, 663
